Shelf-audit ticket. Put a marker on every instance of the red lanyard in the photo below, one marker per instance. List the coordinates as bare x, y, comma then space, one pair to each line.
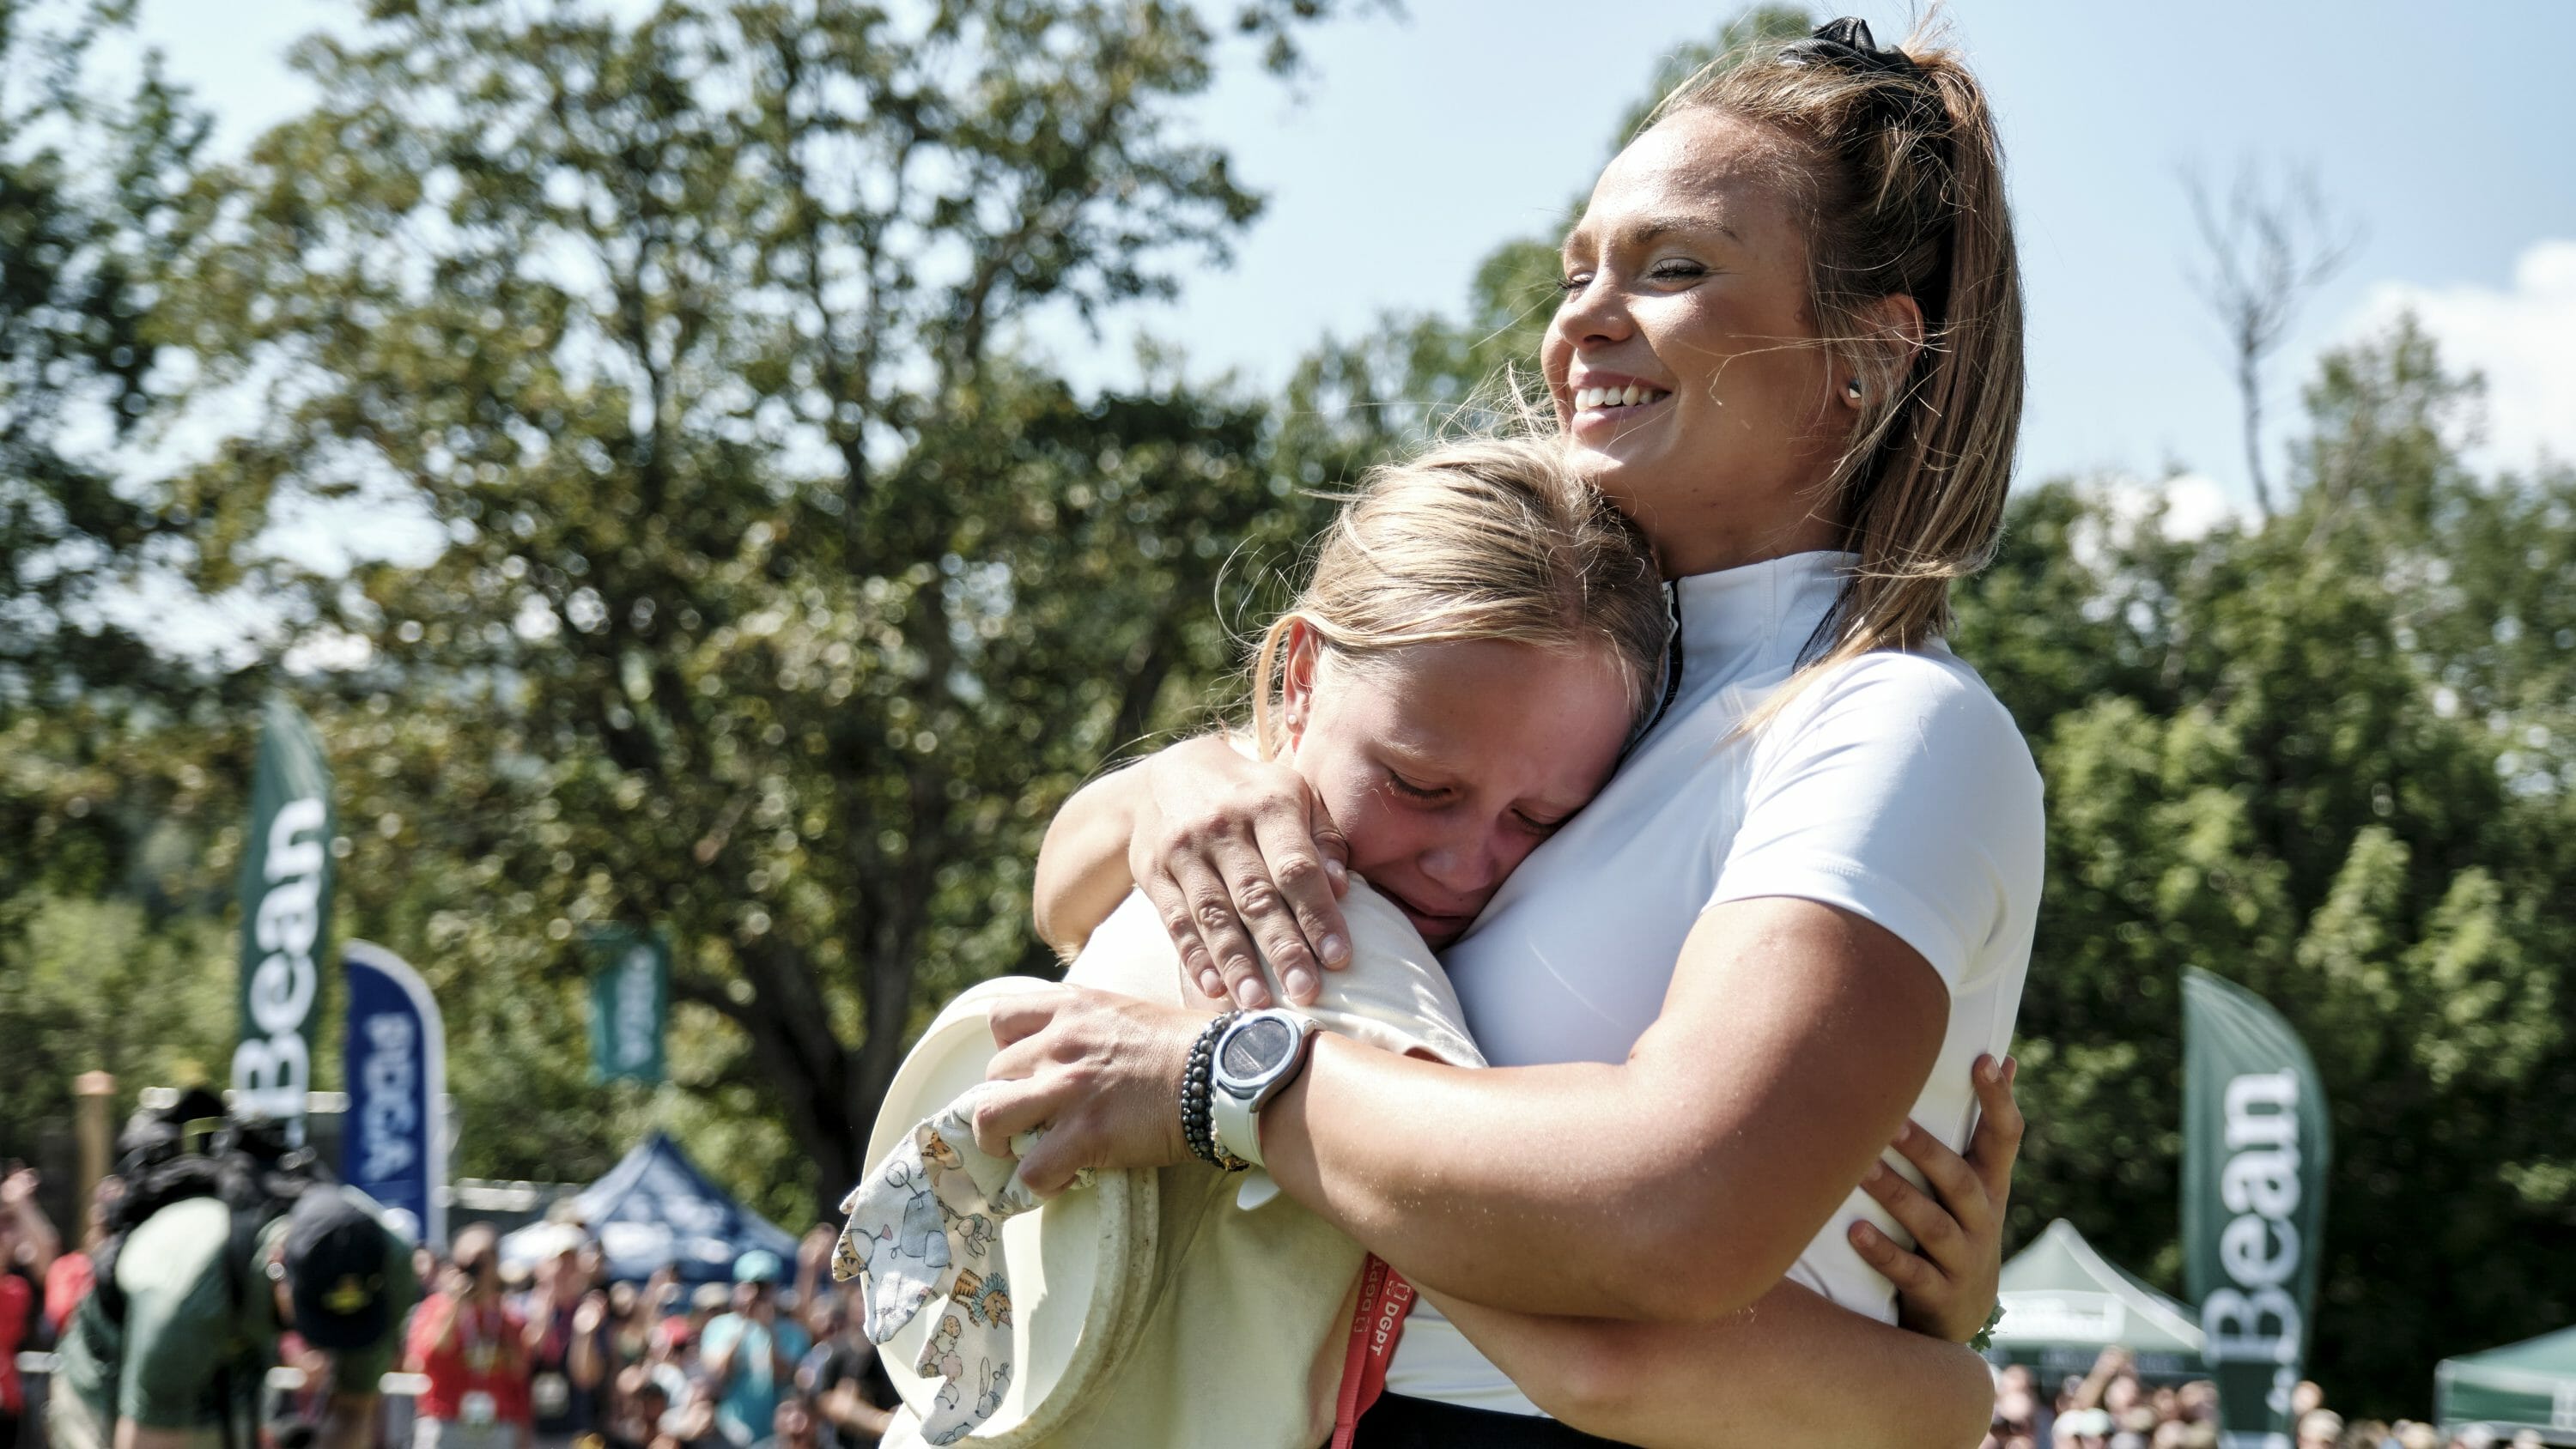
1376, 1326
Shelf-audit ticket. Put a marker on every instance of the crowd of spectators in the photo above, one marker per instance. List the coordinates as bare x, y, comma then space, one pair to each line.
561, 1358
553, 1355
549, 1355
2114, 1407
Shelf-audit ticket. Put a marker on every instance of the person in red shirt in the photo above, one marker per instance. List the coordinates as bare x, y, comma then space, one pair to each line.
471, 1346
69, 1280
15, 1296
27, 1249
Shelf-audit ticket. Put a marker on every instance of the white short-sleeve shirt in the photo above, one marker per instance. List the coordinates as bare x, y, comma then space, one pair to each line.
1896, 787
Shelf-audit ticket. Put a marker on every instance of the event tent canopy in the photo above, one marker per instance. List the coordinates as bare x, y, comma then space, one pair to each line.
656, 1207
2526, 1385
2064, 1303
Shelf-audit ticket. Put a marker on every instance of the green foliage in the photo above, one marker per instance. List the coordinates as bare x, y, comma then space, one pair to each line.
96, 984
87, 199
2263, 757
775, 600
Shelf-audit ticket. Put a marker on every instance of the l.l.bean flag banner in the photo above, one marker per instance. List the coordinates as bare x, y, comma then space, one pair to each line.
2253, 1202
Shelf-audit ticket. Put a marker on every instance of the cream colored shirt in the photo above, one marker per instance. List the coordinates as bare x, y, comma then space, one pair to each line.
1240, 1336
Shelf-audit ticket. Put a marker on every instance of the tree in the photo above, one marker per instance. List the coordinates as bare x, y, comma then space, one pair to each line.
2267, 244
777, 597
2258, 761
108, 770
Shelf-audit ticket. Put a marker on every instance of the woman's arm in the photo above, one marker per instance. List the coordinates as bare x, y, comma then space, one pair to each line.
1082, 866
1795, 1369
1680, 1183
1792, 1370
1677, 1185
1237, 855
40, 1243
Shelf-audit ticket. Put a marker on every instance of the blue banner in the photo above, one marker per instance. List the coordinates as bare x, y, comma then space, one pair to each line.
393, 1142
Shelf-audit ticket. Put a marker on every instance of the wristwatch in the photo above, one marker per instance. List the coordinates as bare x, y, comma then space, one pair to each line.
1257, 1056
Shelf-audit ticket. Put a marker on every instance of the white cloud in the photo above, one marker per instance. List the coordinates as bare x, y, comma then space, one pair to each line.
2523, 339
2194, 505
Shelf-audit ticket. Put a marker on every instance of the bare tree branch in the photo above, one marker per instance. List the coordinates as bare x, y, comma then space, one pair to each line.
2268, 243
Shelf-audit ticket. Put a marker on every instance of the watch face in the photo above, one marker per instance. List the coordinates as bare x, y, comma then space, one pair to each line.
1256, 1047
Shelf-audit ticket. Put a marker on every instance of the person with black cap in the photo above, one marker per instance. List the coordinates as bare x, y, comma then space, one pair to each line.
174, 1359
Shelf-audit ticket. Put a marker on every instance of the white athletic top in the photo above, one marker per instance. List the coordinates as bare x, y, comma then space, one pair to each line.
1896, 788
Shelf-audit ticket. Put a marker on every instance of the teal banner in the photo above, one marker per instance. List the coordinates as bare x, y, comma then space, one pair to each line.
285, 893
630, 999
2255, 1152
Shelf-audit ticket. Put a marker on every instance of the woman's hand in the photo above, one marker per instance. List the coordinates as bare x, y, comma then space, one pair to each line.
1101, 1072
1946, 1286
1241, 860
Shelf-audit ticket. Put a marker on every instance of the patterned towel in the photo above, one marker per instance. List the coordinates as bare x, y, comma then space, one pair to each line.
927, 1224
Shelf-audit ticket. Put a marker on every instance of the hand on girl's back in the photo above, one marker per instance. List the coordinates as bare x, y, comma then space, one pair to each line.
1946, 1284
1241, 861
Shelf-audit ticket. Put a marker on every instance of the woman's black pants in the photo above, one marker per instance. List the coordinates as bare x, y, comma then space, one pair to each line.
1396, 1422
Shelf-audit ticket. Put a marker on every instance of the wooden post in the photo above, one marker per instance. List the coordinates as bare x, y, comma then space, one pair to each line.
96, 1092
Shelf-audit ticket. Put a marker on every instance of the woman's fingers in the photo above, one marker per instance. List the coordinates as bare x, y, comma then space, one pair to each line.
1960, 1189
1228, 849
1052, 1161
1172, 907
1912, 1273
1101, 1069
1937, 1233
1017, 1018
1007, 1111
1206, 905
1997, 1142
1263, 920
1309, 930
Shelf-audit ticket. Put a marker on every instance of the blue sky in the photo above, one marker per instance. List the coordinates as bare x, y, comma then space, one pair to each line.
1420, 143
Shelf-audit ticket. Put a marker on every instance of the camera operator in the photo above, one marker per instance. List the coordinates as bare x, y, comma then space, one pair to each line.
226, 1241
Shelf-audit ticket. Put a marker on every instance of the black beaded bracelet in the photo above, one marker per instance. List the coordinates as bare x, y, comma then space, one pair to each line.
1198, 1080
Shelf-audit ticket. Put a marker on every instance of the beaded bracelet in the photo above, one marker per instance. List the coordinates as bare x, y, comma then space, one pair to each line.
1198, 1079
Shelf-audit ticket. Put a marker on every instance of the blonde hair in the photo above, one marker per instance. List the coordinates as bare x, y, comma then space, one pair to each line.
1904, 195
1480, 538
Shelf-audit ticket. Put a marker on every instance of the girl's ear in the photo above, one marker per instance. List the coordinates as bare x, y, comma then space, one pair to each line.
1300, 647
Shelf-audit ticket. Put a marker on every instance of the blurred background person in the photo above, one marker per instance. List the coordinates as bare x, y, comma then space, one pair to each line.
471, 1345
791, 1427
751, 1353
68, 1281
28, 1253
566, 1319
175, 1358
846, 1381
693, 1424
641, 1403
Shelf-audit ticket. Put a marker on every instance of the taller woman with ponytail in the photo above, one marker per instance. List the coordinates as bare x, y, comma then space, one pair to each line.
1903, 191
1800, 913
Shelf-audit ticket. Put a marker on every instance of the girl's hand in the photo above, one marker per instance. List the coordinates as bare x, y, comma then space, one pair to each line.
1945, 1287
1241, 861
1101, 1072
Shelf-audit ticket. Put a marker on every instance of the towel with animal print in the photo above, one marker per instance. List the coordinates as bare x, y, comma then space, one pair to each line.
927, 1224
